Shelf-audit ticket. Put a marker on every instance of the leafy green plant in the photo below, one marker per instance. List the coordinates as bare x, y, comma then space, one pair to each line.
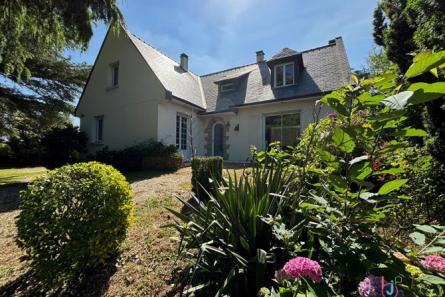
230, 236
73, 218
132, 158
344, 181
63, 146
205, 169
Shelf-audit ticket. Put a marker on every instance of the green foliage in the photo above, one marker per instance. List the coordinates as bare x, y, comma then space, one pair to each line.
63, 146
6, 154
232, 236
132, 158
407, 27
31, 29
339, 196
73, 218
378, 62
32, 107
206, 171
164, 162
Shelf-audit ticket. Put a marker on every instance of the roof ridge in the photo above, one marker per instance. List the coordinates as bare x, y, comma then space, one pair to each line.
317, 48
229, 69
159, 51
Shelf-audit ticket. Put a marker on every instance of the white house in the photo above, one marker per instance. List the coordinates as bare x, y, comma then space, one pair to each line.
135, 93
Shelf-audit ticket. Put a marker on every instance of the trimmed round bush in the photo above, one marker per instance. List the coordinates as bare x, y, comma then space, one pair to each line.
72, 219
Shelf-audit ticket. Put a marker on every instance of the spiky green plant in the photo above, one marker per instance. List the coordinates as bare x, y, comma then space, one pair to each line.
231, 236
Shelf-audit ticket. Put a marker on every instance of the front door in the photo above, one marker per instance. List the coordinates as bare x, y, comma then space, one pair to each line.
218, 140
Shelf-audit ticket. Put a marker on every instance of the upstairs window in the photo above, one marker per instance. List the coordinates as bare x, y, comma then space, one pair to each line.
181, 131
99, 129
227, 87
284, 75
114, 74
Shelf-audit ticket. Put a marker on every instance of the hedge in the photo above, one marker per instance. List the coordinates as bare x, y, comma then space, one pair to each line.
204, 169
146, 155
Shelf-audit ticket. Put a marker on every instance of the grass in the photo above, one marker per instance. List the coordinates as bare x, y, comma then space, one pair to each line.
147, 262
19, 175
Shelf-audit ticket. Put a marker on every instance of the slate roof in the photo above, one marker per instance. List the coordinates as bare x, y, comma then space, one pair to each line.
183, 84
325, 69
285, 52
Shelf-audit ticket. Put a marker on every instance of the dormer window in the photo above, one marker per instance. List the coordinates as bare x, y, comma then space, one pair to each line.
114, 74
227, 87
284, 75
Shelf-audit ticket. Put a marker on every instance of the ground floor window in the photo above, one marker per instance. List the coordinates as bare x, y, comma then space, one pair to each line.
181, 131
284, 128
99, 129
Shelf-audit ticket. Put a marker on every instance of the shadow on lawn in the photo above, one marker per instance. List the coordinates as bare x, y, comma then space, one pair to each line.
135, 176
93, 283
10, 196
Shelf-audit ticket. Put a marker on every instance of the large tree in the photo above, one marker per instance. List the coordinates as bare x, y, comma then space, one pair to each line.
38, 85
404, 27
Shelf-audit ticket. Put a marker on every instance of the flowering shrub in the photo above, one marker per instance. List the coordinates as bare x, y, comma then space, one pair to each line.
434, 262
301, 267
348, 180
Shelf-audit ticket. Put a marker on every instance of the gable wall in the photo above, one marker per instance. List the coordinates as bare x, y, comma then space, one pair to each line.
129, 111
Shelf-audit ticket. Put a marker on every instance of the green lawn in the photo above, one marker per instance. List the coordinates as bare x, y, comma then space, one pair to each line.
19, 175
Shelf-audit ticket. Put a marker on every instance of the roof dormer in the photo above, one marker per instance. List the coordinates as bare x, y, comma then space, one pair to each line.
285, 67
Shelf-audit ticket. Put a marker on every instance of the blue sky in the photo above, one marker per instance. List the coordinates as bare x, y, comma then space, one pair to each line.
218, 34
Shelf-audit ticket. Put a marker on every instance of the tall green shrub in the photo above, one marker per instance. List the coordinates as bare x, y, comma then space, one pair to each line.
73, 218
205, 169
63, 146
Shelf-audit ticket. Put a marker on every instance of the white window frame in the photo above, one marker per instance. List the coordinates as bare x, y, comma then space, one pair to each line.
226, 87
279, 114
96, 129
179, 138
112, 68
284, 74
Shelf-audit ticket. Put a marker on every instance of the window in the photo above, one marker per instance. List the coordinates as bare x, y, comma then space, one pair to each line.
181, 131
114, 71
226, 87
284, 128
284, 75
99, 129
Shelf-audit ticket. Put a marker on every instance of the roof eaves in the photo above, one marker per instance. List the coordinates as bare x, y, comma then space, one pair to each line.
187, 102
230, 110
271, 101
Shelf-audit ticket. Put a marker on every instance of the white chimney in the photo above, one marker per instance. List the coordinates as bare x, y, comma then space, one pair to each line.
260, 56
184, 61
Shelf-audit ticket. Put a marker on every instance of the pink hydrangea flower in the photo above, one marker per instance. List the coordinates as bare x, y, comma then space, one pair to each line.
303, 267
434, 262
371, 286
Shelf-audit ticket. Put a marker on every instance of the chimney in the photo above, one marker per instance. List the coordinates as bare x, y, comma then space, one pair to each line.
184, 61
260, 56
335, 41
